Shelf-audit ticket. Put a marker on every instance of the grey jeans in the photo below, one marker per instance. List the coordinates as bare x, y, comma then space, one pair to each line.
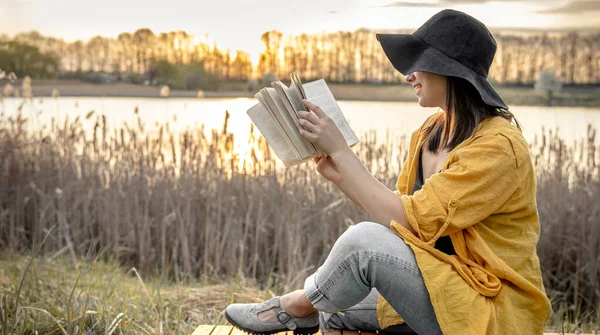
366, 260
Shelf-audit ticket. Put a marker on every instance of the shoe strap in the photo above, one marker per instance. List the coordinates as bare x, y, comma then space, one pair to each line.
285, 318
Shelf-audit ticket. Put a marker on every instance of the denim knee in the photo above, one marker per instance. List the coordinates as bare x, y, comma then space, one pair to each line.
359, 237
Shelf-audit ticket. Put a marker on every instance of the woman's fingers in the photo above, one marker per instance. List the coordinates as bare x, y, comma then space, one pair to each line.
311, 127
308, 135
314, 108
320, 129
312, 117
321, 164
324, 165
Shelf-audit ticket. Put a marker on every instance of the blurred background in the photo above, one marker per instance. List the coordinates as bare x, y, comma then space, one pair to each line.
137, 197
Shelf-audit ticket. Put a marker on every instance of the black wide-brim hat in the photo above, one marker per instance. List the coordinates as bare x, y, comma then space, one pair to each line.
450, 43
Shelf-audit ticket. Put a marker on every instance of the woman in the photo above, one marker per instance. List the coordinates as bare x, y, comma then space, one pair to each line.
453, 250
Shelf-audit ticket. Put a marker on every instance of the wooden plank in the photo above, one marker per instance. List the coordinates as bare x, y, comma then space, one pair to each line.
236, 331
204, 330
347, 332
230, 330
222, 330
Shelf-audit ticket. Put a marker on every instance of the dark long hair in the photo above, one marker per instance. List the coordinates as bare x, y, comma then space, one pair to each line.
464, 110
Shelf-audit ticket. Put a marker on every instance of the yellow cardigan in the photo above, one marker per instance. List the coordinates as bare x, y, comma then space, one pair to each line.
484, 198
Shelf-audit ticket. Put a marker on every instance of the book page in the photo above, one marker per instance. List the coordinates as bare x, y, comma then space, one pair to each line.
266, 100
298, 84
289, 126
295, 98
269, 108
319, 94
297, 93
272, 133
293, 108
276, 118
285, 99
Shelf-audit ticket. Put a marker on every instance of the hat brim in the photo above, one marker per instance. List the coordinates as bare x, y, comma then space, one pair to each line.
408, 54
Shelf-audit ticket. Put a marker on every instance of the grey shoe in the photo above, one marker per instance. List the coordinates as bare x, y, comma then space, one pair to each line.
245, 317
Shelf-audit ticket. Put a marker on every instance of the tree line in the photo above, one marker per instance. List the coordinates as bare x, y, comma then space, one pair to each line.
344, 57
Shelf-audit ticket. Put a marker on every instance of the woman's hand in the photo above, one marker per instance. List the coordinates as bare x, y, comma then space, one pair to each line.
327, 168
321, 130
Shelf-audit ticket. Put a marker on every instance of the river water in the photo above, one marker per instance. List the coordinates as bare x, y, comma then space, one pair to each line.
397, 118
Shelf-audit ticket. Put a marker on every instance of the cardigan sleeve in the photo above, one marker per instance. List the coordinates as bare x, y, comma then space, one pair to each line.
481, 177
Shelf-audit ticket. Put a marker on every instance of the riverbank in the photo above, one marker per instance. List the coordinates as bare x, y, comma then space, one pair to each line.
570, 96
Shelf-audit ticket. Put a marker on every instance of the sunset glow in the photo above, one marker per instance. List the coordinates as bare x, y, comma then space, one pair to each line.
238, 25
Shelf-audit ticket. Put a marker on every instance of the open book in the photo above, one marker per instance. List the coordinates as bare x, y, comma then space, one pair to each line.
276, 116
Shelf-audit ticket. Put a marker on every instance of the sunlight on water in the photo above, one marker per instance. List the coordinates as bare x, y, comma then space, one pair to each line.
399, 118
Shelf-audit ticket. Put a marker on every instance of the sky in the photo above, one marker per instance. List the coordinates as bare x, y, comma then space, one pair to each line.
238, 24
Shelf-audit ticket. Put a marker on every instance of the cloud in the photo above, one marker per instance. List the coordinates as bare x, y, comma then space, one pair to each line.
438, 3
449, 2
575, 7
408, 4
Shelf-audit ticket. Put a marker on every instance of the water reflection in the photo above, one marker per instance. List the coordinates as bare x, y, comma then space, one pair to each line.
393, 118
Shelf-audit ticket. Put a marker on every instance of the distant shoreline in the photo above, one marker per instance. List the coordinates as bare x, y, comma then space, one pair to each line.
570, 96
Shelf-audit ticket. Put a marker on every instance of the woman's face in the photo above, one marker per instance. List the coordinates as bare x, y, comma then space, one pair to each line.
430, 88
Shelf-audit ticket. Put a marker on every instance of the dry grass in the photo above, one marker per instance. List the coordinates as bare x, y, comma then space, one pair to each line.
98, 297
569, 205
175, 203
184, 207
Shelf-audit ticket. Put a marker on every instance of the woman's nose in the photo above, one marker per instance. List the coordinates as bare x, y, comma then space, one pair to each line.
410, 77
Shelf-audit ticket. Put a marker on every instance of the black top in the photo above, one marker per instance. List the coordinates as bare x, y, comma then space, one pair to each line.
443, 244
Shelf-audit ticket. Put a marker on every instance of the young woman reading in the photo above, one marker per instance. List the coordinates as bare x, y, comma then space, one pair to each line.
453, 249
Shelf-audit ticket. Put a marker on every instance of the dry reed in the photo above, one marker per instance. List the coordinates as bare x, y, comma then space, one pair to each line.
187, 207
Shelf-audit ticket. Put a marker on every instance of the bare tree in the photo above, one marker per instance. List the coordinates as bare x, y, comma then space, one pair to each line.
126, 53
143, 42
98, 49
572, 39
241, 66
